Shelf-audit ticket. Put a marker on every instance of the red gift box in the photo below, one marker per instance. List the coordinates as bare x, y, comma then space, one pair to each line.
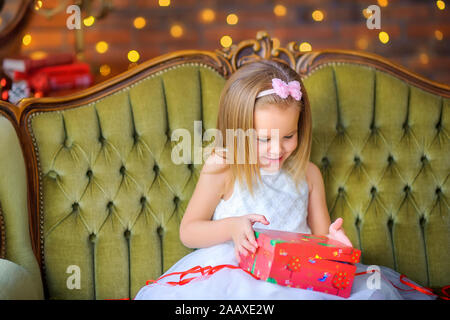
303, 261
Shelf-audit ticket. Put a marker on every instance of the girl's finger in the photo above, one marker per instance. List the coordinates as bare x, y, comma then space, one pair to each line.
349, 243
344, 239
243, 251
238, 257
247, 245
251, 237
258, 218
336, 225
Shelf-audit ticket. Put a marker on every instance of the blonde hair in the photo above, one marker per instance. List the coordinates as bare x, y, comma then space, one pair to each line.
236, 109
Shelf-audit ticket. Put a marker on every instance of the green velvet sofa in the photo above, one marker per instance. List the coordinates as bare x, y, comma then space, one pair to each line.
90, 201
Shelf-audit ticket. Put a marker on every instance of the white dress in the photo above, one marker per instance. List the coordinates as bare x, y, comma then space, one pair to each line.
285, 208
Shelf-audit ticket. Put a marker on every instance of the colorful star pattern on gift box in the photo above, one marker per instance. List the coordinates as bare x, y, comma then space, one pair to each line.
294, 264
340, 280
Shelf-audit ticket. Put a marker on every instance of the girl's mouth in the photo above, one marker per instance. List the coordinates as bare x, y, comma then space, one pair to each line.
273, 160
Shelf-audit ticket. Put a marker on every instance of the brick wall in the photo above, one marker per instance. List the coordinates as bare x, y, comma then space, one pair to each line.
411, 24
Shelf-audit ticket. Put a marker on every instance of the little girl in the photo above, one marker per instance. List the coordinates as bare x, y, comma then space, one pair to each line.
276, 187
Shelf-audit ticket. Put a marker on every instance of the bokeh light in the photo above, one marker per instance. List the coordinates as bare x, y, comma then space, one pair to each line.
208, 15
139, 22
133, 56
367, 13
317, 15
89, 21
26, 40
37, 5
384, 37
226, 41
232, 19
176, 31
105, 70
362, 43
280, 10
424, 59
164, 3
36, 55
101, 47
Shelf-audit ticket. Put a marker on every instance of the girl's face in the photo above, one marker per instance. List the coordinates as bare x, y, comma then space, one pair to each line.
277, 134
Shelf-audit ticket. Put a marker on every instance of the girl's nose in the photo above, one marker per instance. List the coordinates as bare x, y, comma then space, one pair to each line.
274, 148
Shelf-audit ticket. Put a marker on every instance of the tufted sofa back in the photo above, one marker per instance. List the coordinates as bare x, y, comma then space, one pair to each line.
111, 197
106, 199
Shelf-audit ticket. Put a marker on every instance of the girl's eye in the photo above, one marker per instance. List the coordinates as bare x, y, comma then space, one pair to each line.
263, 139
288, 137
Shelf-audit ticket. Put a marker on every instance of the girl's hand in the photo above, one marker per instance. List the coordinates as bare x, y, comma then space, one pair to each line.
337, 233
243, 235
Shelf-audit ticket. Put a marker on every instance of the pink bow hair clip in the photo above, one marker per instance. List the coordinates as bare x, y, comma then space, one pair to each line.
283, 89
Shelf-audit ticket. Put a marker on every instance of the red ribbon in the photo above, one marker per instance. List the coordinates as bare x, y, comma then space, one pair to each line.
208, 271
424, 290
205, 271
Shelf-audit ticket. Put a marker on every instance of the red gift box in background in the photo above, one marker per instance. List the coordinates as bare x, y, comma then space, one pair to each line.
43, 76
303, 261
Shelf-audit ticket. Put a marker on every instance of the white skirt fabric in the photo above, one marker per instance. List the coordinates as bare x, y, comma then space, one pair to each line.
236, 284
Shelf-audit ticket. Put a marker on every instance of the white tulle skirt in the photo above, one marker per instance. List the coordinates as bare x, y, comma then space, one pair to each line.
236, 284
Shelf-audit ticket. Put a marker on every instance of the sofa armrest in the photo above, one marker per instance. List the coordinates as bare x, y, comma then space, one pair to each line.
16, 283
20, 276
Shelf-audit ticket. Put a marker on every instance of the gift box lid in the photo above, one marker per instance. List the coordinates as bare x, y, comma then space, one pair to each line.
308, 245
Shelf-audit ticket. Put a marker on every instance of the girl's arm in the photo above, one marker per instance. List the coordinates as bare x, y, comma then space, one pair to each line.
197, 230
318, 216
